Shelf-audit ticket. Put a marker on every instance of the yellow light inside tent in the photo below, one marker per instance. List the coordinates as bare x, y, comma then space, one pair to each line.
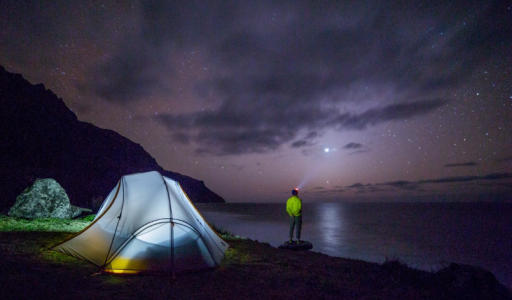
121, 271
123, 265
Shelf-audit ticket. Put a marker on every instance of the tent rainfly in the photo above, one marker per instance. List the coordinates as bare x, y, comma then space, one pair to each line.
147, 224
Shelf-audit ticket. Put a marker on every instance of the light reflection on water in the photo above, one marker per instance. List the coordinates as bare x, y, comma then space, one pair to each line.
330, 228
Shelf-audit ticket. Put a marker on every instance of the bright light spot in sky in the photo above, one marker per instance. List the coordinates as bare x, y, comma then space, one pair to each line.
326, 150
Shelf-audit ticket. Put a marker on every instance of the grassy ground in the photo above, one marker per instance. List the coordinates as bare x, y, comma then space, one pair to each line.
250, 270
54, 225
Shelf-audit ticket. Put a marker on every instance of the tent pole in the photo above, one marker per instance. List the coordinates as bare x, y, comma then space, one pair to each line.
117, 225
171, 224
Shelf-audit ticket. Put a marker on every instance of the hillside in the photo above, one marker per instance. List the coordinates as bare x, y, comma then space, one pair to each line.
42, 138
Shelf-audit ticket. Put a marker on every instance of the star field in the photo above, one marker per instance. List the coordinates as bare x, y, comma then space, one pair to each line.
353, 101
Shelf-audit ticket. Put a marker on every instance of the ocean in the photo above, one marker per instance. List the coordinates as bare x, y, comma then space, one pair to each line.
425, 236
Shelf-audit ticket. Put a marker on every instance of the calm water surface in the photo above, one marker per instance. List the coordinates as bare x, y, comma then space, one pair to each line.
424, 235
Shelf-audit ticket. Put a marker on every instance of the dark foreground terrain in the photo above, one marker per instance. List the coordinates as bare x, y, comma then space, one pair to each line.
251, 270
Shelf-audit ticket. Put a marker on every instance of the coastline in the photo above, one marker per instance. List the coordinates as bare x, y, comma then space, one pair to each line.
250, 270
426, 236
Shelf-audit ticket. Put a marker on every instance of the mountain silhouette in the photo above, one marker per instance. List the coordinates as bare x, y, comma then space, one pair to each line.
42, 138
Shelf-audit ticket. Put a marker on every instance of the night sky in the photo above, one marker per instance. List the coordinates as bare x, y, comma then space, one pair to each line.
349, 100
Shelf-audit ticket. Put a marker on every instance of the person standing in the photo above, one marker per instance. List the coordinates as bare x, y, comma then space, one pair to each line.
294, 209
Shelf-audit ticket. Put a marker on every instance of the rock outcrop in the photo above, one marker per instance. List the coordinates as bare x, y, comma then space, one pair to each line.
44, 199
41, 138
469, 282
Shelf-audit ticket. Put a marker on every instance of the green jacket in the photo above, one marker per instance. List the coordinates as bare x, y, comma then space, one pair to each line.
294, 206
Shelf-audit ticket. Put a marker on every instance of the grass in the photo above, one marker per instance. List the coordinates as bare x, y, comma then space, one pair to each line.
250, 270
225, 234
47, 224
66, 225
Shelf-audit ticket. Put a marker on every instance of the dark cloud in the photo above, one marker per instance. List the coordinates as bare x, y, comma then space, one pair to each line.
370, 189
380, 187
242, 77
235, 128
466, 164
311, 151
127, 77
301, 143
414, 184
497, 176
404, 185
280, 68
360, 151
352, 146
181, 138
358, 185
360, 148
307, 140
323, 192
500, 182
234, 142
391, 112
451, 179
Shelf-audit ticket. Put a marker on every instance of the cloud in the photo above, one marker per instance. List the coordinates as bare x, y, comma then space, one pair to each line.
497, 176
390, 112
324, 192
132, 75
466, 164
298, 144
359, 185
491, 184
351, 146
276, 71
360, 151
235, 129
361, 188
307, 140
402, 184
370, 189
181, 138
494, 186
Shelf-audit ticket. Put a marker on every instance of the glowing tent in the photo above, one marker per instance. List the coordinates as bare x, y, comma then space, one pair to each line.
147, 224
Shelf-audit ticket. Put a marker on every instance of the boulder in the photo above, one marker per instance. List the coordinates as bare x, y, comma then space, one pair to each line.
44, 199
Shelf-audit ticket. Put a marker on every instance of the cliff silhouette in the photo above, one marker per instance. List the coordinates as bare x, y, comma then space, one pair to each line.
42, 138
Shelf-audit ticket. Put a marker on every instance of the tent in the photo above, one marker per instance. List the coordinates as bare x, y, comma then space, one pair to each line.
147, 224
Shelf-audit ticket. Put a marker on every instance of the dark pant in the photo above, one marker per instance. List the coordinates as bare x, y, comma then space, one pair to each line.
295, 222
